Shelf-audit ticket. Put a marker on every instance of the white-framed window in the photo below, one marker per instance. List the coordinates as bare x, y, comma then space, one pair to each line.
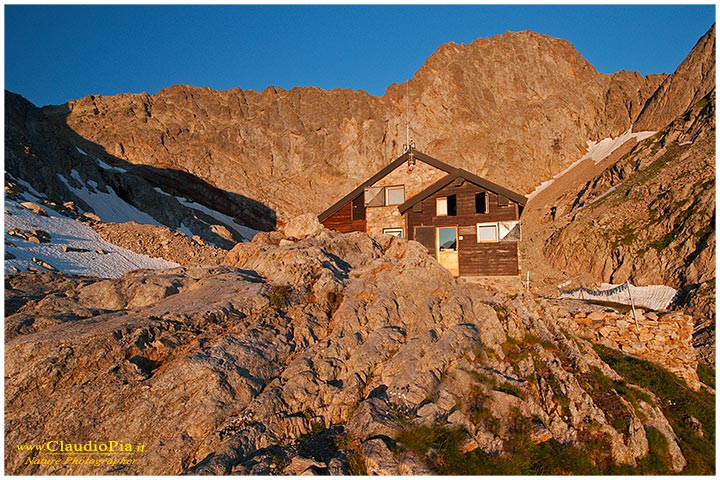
441, 206
395, 195
395, 231
487, 232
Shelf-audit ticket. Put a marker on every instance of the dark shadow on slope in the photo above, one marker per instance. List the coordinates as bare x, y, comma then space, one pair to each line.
39, 146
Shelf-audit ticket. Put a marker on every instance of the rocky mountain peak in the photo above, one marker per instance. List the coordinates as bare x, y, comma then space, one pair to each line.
693, 80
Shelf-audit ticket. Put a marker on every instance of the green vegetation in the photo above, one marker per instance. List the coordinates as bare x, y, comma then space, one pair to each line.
625, 236
678, 403
605, 395
317, 428
475, 407
356, 463
517, 350
351, 447
511, 389
279, 295
706, 374
658, 458
440, 446
662, 243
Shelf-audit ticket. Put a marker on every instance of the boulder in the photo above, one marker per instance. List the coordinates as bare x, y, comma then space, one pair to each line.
302, 226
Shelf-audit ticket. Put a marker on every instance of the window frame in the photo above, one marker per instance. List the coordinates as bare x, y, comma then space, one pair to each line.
457, 238
486, 202
438, 202
493, 225
390, 230
390, 188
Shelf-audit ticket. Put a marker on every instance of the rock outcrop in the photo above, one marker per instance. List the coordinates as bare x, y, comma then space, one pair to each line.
305, 356
649, 218
41, 152
692, 81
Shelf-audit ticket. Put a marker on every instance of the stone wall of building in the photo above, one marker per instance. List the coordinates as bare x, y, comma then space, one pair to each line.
664, 338
415, 181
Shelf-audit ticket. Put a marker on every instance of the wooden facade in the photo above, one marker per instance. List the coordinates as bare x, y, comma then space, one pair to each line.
470, 225
474, 258
345, 219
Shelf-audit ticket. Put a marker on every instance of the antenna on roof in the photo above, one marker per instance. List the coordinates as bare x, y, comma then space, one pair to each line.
409, 144
407, 113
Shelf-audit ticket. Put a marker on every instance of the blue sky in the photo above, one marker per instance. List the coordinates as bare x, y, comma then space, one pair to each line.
55, 53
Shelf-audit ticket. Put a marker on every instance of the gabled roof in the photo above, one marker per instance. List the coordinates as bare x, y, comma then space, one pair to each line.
382, 173
460, 173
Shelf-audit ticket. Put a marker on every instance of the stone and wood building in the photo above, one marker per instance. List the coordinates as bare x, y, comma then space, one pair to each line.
470, 225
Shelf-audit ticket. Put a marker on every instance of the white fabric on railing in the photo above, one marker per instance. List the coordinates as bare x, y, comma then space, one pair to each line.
654, 297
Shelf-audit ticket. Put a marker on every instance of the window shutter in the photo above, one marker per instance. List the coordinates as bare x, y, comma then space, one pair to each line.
481, 203
375, 196
426, 237
358, 208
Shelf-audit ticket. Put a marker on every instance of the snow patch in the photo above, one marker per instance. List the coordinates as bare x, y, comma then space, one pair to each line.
185, 230
108, 206
247, 232
81, 151
608, 192
27, 186
547, 183
597, 151
105, 166
600, 150
81, 241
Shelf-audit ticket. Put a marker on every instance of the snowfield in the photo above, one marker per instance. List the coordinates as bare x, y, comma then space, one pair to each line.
64, 231
108, 206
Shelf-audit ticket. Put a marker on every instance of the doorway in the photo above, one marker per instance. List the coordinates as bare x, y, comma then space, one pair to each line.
447, 245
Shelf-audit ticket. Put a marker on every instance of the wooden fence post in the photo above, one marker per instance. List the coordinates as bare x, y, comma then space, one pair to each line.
632, 305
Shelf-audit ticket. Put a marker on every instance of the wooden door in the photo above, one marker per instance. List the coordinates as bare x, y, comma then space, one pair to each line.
447, 249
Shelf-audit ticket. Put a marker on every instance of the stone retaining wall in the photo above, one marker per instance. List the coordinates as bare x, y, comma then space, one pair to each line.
664, 338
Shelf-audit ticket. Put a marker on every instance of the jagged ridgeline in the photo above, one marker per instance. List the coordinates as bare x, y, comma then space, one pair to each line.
309, 351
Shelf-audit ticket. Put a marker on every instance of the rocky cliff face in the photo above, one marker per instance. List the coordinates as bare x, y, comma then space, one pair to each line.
42, 152
649, 218
328, 354
516, 108
647, 212
690, 83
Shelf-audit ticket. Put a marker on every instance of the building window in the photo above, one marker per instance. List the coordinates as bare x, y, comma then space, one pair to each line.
395, 195
395, 231
441, 206
481, 203
446, 206
487, 232
447, 239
